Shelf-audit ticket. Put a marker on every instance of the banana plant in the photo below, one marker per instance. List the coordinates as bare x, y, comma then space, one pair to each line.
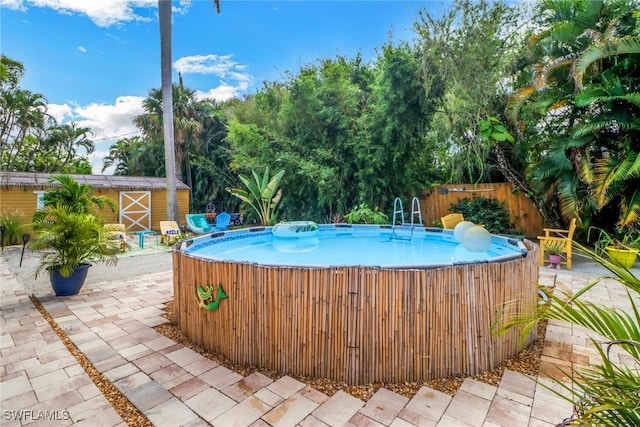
262, 194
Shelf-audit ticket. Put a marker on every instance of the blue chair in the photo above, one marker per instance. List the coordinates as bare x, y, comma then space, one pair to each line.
222, 221
198, 223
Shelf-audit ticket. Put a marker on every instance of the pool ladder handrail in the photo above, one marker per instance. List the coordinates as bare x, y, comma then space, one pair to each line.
398, 209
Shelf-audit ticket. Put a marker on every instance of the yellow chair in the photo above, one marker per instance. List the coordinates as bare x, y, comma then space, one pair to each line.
564, 237
169, 232
450, 221
117, 235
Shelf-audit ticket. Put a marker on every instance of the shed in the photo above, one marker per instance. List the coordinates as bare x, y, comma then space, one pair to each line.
141, 200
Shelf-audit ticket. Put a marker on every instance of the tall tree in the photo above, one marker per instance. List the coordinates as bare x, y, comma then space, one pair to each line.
473, 48
187, 121
165, 18
10, 71
580, 112
22, 114
62, 143
164, 15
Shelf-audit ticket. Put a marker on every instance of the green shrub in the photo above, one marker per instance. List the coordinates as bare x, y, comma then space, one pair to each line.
363, 214
14, 227
490, 213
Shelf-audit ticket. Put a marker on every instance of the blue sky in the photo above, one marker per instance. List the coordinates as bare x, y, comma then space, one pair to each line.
96, 60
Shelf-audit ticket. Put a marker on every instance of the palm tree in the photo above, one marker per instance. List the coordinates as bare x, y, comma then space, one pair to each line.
164, 9
121, 155
581, 121
10, 71
74, 196
22, 113
186, 122
63, 142
615, 95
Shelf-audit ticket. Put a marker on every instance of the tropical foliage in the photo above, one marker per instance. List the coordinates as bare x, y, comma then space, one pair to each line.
353, 132
70, 239
77, 197
581, 113
457, 104
363, 214
262, 194
30, 139
491, 213
604, 394
69, 229
14, 227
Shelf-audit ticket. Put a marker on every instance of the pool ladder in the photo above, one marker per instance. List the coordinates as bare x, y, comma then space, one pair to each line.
399, 210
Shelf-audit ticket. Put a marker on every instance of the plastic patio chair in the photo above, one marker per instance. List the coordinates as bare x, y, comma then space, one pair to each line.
450, 221
222, 221
198, 223
169, 231
563, 237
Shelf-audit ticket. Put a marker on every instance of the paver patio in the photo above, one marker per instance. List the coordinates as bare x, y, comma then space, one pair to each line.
112, 324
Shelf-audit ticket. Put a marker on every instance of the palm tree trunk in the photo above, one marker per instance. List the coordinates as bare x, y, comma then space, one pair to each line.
164, 9
550, 216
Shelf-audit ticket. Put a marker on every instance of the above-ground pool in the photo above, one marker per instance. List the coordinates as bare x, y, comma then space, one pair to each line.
356, 304
373, 246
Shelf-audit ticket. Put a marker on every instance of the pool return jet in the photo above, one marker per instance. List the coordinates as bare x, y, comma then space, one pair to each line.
399, 210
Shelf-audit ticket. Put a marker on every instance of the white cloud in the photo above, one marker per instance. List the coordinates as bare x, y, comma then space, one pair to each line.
61, 112
108, 123
220, 93
12, 4
205, 64
233, 79
102, 13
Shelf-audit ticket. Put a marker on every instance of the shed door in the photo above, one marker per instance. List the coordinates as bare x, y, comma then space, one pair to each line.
135, 210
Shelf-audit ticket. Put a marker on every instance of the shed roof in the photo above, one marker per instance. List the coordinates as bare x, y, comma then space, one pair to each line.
31, 179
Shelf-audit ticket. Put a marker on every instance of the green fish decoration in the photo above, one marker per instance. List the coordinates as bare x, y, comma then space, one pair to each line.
205, 295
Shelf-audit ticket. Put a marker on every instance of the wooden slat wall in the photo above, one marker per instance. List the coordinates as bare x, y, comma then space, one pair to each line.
522, 212
23, 200
356, 324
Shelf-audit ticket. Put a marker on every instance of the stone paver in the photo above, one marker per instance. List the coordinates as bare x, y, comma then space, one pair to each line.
290, 412
210, 403
426, 407
384, 406
111, 323
171, 412
504, 411
467, 408
245, 413
338, 409
148, 395
285, 386
247, 386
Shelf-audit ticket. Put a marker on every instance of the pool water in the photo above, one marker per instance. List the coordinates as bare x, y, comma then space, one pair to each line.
365, 246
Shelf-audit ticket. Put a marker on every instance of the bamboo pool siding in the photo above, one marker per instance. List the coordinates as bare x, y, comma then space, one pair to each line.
358, 324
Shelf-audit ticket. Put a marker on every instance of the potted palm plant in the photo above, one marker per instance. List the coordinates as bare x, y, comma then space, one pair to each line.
621, 245
71, 235
71, 242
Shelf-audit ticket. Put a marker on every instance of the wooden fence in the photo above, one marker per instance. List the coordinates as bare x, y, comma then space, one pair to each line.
357, 324
522, 213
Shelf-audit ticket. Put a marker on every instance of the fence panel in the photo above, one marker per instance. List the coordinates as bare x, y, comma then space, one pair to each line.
523, 214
